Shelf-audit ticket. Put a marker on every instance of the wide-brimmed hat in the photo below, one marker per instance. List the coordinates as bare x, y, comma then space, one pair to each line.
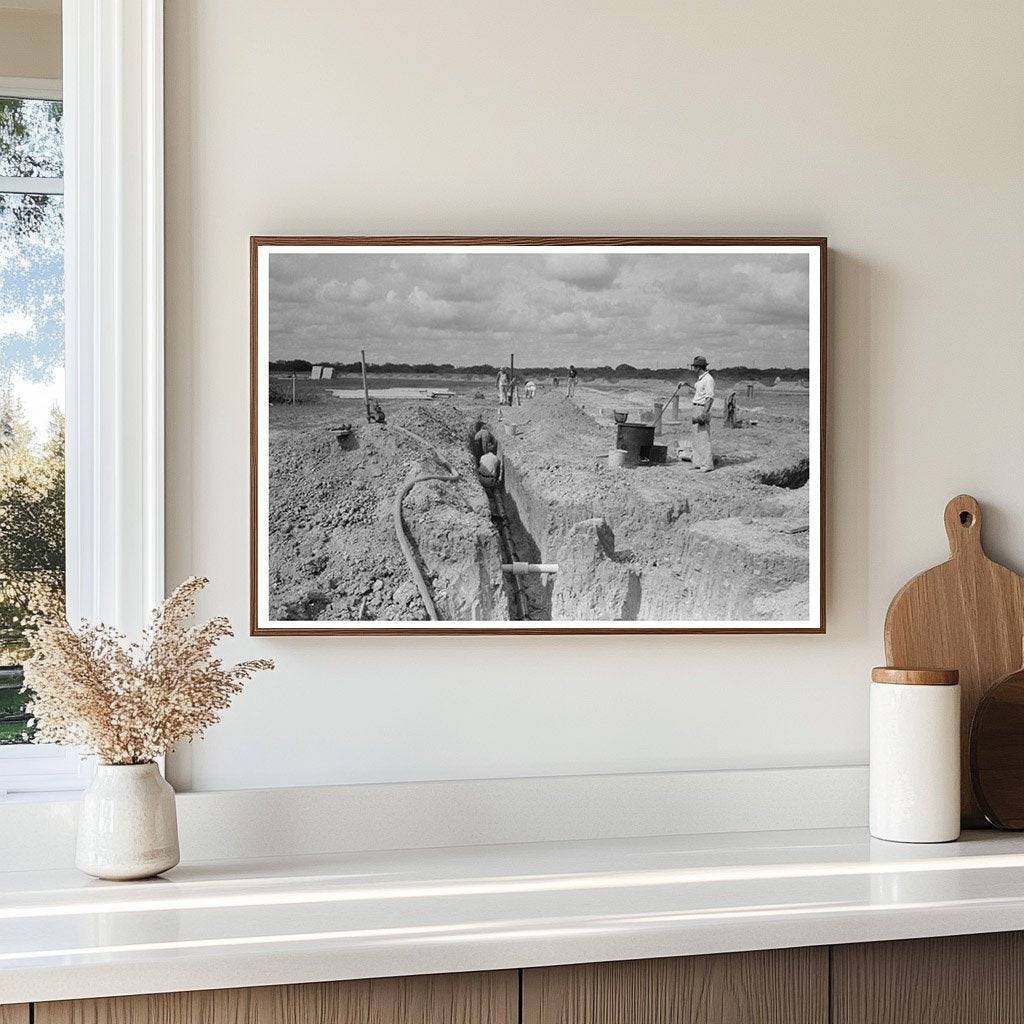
700, 361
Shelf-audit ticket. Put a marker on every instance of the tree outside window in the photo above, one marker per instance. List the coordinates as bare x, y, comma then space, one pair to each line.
32, 553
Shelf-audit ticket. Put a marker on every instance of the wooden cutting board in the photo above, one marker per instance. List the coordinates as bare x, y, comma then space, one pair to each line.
967, 614
997, 752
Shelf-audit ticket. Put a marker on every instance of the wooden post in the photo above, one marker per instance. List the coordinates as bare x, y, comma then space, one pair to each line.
293, 389
511, 376
366, 390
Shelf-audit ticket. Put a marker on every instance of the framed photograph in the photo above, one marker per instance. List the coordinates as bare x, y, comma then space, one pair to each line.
537, 435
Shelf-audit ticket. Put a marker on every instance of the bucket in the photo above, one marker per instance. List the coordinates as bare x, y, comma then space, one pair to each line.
619, 458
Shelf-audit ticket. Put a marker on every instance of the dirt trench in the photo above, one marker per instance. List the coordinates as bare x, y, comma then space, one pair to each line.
735, 568
450, 524
652, 544
655, 544
334, 552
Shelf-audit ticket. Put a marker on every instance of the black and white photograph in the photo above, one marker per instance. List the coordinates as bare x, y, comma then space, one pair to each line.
539, 436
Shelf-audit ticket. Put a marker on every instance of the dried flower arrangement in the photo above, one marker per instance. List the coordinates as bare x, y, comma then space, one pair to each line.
129, 703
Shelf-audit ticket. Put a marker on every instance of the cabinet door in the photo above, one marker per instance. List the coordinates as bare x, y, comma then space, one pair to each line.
962, 979
778, 986
490, 998
14, 1013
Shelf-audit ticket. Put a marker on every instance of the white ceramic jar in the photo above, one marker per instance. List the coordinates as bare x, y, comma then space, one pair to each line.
915, 755
127, 824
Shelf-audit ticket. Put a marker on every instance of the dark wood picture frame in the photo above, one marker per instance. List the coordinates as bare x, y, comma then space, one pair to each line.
257, 242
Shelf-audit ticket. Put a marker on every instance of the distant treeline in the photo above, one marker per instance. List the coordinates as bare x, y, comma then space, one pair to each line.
585, 372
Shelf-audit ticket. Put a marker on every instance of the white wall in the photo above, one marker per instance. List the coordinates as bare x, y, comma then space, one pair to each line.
895, 129
30, 39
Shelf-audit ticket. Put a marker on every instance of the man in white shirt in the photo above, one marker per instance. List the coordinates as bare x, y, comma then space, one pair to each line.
703, 399
489, 469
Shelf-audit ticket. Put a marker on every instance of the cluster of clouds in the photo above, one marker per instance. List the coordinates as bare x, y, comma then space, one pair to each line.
551, 309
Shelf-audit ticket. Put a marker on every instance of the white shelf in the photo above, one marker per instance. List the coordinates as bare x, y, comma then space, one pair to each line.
351, 915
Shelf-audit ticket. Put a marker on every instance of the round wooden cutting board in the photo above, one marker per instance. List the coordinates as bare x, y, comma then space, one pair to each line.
967, 614
997, 752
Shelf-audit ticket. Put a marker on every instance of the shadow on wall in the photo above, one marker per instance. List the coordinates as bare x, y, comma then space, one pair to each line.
854, 288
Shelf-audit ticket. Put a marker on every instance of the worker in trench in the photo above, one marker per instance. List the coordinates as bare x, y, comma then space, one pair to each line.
483, 440
489, 469
703, 398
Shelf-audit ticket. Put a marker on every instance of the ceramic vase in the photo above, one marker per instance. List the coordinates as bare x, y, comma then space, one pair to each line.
127, 825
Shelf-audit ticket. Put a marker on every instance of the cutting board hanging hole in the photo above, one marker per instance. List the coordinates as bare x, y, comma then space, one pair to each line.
963, 526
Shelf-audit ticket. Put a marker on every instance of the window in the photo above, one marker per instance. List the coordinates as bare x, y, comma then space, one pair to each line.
32, 513
107, 143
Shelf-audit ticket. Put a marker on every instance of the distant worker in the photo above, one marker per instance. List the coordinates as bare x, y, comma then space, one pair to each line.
513, 390
572, 382
503, 383
730, 411
703, 399
377, 414
489, 469
531, 389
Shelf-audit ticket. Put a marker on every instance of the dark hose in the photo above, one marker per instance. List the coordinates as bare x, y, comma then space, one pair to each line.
400, 531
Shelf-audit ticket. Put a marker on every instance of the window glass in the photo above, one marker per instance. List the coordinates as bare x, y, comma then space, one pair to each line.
31, 387
31, 138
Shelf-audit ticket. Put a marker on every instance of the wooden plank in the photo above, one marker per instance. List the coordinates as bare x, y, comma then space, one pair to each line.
962, 979
14, 1013
480, 998
778, 986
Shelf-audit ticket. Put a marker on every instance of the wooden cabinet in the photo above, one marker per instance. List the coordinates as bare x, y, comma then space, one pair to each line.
968, 979
971, 979
777, 986
963, 979
490, 998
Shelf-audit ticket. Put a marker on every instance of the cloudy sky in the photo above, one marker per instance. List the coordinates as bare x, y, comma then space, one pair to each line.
654, 310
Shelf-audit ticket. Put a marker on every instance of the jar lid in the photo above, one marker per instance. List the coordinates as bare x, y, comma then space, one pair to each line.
916, 676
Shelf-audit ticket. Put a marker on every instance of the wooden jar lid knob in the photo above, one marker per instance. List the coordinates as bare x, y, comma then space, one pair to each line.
916, 676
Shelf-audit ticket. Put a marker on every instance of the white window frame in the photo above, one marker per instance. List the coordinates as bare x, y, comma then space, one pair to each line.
114, 325
31, 89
